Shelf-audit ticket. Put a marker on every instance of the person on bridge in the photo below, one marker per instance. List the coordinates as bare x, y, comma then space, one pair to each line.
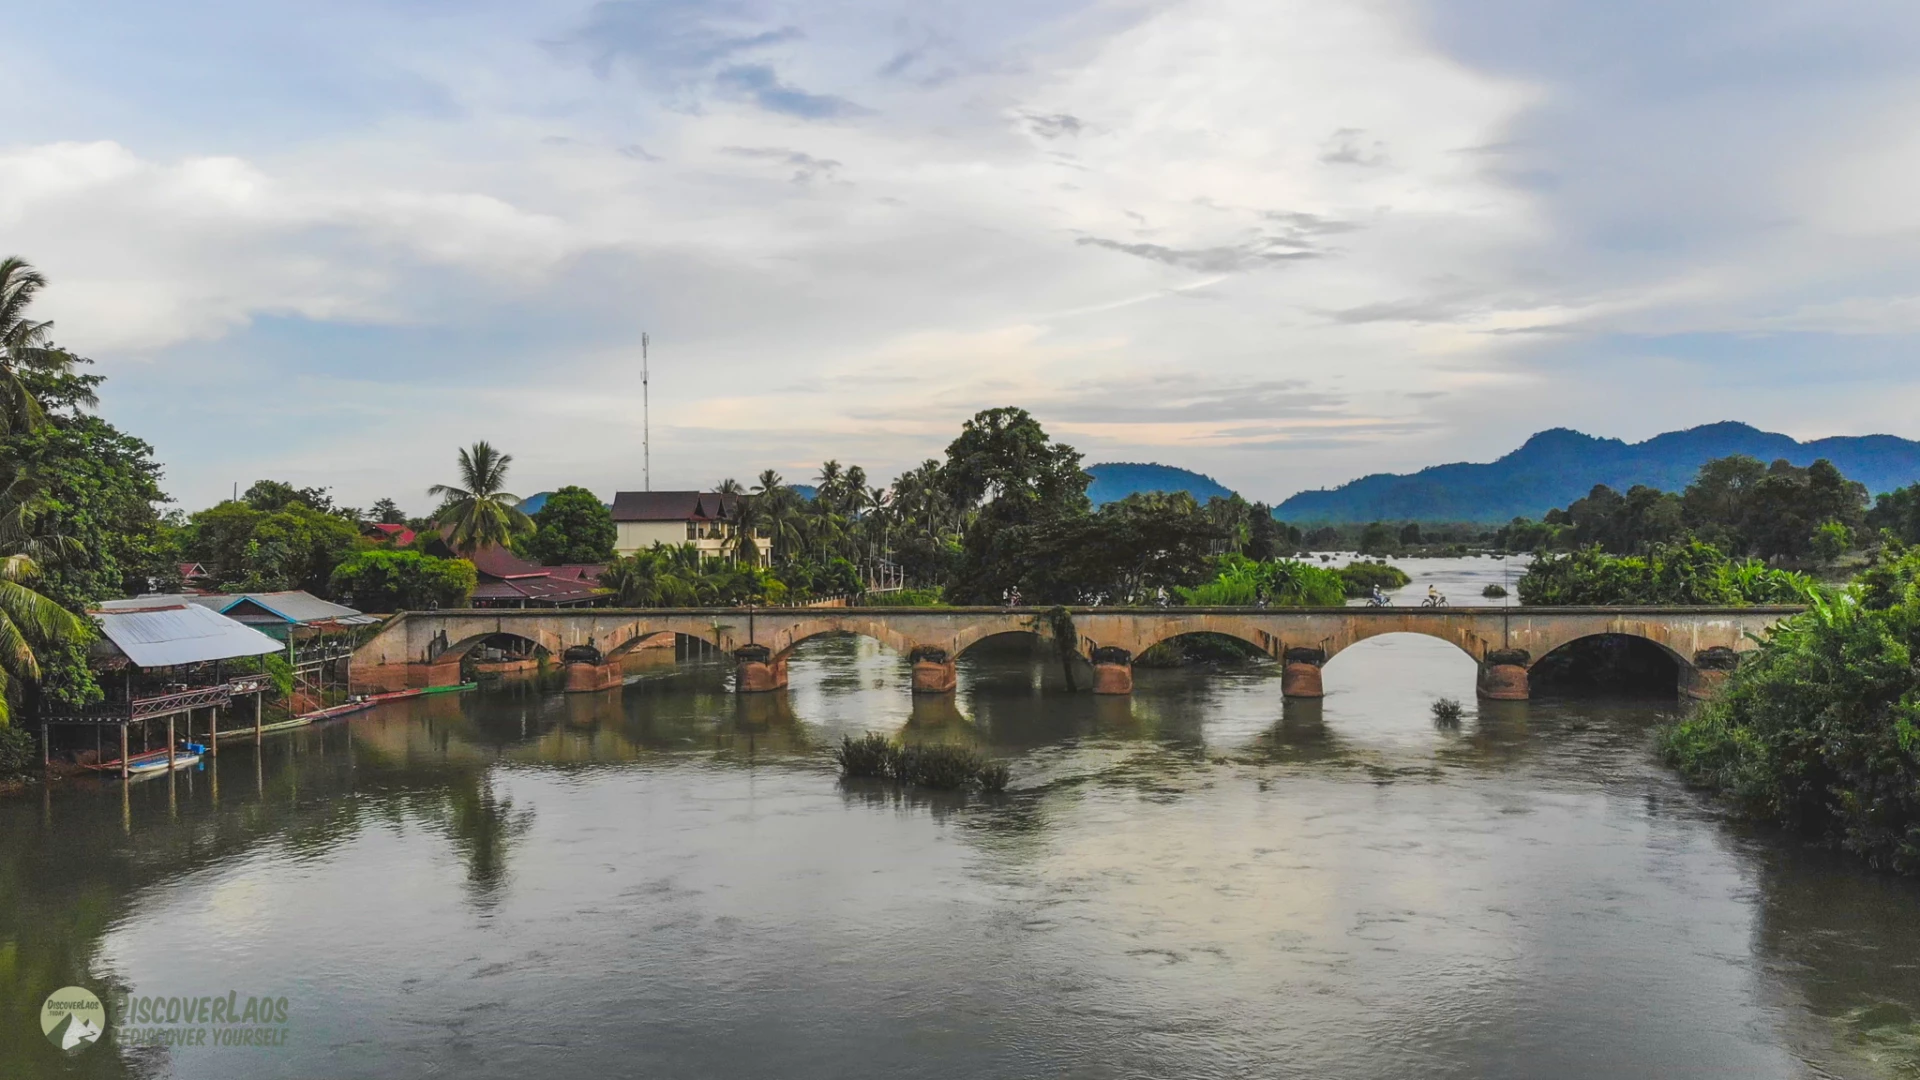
1377, 598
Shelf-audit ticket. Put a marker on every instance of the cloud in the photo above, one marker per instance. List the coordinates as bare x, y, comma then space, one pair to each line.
1350, 146
759, 83
1489, 222
806, 167
668, 41
1217, 260
1056, 126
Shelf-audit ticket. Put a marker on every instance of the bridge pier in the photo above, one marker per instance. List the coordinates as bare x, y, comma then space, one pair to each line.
934, 671
389, 678
1301, 676
757, 671
589, 678
1112, 670
1710, 669
1503, 675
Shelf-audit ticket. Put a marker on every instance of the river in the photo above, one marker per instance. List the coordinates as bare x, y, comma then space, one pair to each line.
671, 881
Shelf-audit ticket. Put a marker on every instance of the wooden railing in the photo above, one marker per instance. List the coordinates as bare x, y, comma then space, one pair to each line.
157, 705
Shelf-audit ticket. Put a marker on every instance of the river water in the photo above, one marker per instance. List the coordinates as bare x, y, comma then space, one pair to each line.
671, 881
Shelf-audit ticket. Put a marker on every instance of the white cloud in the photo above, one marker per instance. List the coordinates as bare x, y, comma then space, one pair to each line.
1334, 212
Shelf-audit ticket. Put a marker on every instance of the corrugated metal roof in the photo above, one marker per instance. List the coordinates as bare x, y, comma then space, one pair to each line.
293, 606
165, 631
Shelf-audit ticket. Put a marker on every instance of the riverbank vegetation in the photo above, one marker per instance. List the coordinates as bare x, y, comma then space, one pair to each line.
1692, 572
1818, 730
1781, 513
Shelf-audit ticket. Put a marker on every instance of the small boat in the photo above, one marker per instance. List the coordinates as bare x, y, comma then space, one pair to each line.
154, 762
246, 731
348, 708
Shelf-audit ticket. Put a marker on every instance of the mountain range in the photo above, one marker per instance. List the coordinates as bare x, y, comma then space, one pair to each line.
1558, 466
1115, 480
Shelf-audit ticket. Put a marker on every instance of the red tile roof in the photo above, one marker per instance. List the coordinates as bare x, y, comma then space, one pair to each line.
399, 534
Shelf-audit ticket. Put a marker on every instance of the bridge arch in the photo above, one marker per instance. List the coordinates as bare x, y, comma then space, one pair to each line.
458, 650
1624, 662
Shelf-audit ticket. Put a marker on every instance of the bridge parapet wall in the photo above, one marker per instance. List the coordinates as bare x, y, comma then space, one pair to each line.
421, 648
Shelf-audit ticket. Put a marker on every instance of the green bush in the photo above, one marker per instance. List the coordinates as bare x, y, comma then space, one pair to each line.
19, 752
1819, 728
382, 579
1494, 592
1689, 573
1447, 713
933, 765
1359, 578
906, 598
1241, 582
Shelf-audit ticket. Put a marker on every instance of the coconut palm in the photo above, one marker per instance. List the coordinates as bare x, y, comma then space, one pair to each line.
25, 348
481, 513
729, 486
28, 619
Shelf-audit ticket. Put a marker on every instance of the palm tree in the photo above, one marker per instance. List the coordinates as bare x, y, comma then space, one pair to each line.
25, 348
482, 513
729, 486
28, 618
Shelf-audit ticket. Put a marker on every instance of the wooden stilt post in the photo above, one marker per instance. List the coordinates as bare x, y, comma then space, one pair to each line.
46, 751
259, 703
123, 751
170, 744
213, 731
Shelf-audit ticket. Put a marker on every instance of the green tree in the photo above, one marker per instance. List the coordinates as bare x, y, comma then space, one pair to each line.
297, 547
1015, 480
1135, 550
573, 527
1689, 573
1376, 539
1818, 729
218, 537
387, 580
387, 512
1830, 541
271, 495
480, 512
26, 349
28, 621
95, 527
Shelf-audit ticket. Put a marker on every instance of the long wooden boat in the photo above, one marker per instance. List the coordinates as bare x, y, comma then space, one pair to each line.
152, 762
245, 731
348, 710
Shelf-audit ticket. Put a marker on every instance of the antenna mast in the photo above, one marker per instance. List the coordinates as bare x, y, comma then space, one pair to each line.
646, 425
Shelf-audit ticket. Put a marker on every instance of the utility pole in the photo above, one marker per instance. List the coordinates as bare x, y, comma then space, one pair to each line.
646, 423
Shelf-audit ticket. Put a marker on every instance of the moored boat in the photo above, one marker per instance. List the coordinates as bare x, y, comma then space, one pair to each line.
154, 762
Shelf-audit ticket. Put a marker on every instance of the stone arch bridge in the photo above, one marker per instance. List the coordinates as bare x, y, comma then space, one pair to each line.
419, 649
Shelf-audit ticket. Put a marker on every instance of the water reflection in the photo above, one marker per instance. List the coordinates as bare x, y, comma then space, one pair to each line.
1200, 880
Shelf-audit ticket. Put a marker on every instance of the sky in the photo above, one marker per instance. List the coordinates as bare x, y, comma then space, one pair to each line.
1285, 243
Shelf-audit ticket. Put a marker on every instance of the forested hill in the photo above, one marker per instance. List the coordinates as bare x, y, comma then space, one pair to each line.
1113, 481
1555, 467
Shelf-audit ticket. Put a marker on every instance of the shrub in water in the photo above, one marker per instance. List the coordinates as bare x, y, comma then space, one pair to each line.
948, 768
869, 756
1447, 712
1494, 592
